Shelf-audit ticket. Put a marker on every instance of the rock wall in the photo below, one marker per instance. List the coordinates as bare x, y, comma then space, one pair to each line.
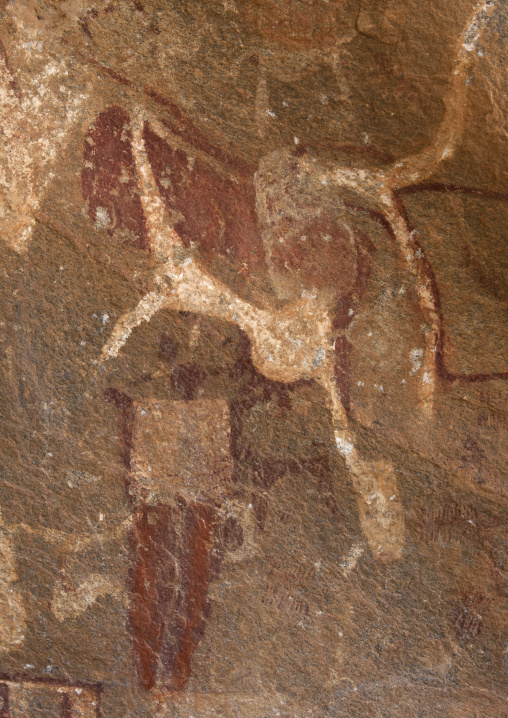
253, 358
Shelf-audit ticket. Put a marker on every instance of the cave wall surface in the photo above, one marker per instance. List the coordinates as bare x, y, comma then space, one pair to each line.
253, 358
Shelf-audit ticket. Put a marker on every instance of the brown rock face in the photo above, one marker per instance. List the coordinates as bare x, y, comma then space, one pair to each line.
253, 358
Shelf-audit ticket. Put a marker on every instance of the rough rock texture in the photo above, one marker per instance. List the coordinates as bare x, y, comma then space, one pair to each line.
253, 358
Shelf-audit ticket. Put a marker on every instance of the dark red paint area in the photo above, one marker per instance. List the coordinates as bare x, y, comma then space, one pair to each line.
4, 698
318, 254
218, 213
198, 567
125, 405
66, 706
152, 580
109, 178
173, 561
